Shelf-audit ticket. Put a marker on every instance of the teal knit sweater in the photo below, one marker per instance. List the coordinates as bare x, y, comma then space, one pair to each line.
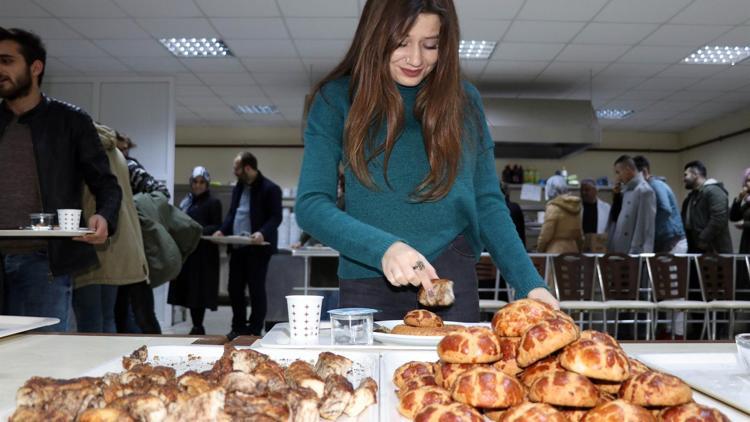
375, 219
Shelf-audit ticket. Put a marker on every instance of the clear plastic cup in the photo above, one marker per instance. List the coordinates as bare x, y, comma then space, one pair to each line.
41, 220
743, 350
304, 318
69, 219
351, 326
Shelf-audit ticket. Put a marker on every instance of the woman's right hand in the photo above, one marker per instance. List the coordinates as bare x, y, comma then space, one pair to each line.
403, 265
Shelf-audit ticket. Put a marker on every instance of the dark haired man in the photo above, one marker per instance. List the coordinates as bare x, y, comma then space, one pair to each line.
705, 212
51, 149
633, 230
255, 211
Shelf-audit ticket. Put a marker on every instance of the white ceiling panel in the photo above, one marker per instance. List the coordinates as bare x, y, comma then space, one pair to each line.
193, 91
717, 85
262, 49
668, 83
226, 78
322, 48
740, 35
195, 102
577, 69
677, 106
160, 8
82, 8
634, 69
166, 65
73, 48
690, 35
237, 90
614, 33
525, 69
487, 9
134, 48
22, 9
592, 52
274, 65
185, 78
635, 105
46, 28
732, 97
320, 65
178, 28
560, 10
322, 28
213, 65
319, 8
636, 94
251, 28
526, 51
111, 29
542, 31
715, 12
655, 54
640, 11
691, 70
246, 100
276, 78
238, 8
695, 96
94, 66
484, 29
295, 98
55, 67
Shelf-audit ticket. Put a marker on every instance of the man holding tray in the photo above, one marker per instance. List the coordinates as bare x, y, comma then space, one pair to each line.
49, 149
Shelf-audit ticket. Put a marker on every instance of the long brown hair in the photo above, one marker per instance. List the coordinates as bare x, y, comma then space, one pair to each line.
376, 100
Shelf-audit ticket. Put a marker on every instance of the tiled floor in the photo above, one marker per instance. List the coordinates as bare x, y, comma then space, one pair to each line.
215, 322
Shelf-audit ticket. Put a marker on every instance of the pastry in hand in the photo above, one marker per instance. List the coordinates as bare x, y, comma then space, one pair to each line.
441, 294
422, 318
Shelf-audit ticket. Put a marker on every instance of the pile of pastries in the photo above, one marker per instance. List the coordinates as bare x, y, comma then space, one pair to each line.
534, 364
243, 385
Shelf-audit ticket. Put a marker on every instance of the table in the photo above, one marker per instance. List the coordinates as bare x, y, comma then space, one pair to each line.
308, 252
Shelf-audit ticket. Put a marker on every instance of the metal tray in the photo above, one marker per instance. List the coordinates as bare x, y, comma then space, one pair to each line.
10, 324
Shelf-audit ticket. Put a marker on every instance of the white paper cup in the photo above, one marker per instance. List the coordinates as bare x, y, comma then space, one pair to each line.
69, 219
304, 318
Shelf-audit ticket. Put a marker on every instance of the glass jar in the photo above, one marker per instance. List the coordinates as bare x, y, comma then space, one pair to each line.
350, 326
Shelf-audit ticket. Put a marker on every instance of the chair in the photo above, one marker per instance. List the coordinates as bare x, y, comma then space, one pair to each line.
486, 270
620, 276
670, 279
574, 279
718, 277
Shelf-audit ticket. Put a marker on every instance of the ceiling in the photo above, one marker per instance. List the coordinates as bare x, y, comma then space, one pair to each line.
619, 53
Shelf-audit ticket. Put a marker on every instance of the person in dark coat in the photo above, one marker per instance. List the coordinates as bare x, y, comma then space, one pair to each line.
740, 212
197, 286
705, 212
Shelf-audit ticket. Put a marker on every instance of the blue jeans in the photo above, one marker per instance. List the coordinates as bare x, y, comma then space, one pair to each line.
32, 290
94, 306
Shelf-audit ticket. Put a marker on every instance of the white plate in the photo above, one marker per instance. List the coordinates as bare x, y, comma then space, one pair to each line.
392, 360
278, 338
56, 232
715, 374
10, 325
423, 341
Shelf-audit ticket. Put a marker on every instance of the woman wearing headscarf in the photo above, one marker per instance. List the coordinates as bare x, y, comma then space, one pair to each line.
197, 286
561, 231
740, 212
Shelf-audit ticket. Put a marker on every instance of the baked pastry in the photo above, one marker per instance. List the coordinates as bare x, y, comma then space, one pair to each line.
692, 412
562, 315
413, 383
564, 388
596, 360
637, 367
655, 389
300, 374
545, 338
441, 294
446, 373
573, 414
408, 330
336, 398
508, 350
330, 363
472, 345
487, 388
422, 318
600, 337
532, 412
411, 370
618, 411
415, 400
542, 367
513, 319
453, 412
607, 387
364, 396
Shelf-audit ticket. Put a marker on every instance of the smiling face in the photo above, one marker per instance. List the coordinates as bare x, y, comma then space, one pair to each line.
413, 60
198, 185
16, 76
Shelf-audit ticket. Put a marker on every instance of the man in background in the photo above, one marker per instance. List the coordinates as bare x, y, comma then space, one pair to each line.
595, 211
633, 230
255, 211
705, 212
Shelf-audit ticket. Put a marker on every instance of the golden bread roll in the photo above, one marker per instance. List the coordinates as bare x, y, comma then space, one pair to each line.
532, 412
446, 373
655, 389
618, 411
454, 412
608, 387
596, 360
107, 414
564, 388
574, 415
562, 315
487, 388
422, 318
513, 319
599, 337
493, 415
414, 383
407, 330
411, 370
637, 367
415, 400
472, 345
692, 412
545, 338
543, 367
508, 351
441, 294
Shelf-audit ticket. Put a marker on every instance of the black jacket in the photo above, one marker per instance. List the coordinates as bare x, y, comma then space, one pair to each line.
705, 213
740, 212
68, 153
265, 209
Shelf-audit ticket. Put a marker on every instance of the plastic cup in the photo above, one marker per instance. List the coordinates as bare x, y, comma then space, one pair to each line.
69, 219
41, 220
743, 350
351, 326
304, 318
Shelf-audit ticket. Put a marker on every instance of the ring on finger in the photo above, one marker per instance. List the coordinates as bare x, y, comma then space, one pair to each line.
418, 266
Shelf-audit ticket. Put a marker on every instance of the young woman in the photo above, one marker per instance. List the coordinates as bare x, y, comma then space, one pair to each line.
422, 193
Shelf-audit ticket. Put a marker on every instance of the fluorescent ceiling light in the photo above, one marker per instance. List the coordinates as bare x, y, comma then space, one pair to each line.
196, 47
613, 113
256, 109
471, 49
717, 54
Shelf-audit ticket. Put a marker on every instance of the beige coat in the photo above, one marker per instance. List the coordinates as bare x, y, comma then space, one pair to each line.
561, 231
121, 259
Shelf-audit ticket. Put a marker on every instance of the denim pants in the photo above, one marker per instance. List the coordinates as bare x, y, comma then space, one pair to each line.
31, 289
457, 263
94, 306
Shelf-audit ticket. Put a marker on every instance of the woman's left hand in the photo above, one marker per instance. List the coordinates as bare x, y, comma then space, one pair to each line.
540, 293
